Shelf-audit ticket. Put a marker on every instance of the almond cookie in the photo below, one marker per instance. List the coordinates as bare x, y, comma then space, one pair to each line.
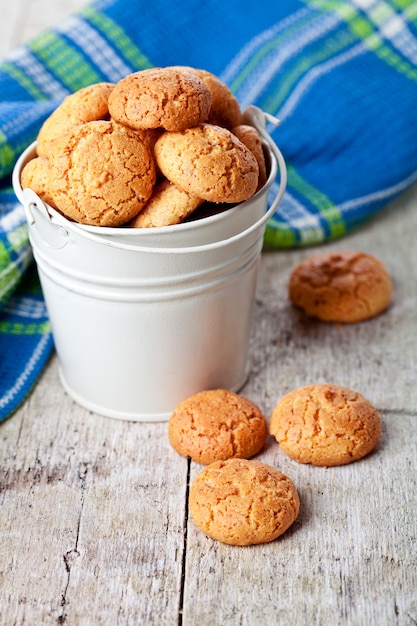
241, 502
208, 162
341, 286
160, 98
167, 206
215, 425
325, 425
225, 109
100, 176
35, 176
85, 105
250, 137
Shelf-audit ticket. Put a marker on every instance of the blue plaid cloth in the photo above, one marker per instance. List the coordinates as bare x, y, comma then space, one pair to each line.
341, 76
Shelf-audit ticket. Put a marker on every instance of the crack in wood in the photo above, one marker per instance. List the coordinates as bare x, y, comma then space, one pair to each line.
184, 547
71, 556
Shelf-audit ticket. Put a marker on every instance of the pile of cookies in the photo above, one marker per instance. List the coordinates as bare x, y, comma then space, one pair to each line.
241, 501
146, 151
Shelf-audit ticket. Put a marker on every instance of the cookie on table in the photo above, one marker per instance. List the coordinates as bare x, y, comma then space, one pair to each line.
250, 137
35, 176
100, 176
168, 205
217, 424
208, 162
343, 286
160, 98
85, 105
325, 425
243, 502
225, 108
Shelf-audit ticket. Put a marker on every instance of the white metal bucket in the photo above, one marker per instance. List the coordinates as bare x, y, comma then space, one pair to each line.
141, 321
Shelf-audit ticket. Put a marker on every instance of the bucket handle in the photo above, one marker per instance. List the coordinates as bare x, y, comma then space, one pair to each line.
259, 118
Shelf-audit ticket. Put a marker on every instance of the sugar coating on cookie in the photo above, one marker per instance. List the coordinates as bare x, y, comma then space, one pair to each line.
160, 98
225, 109
208, 162
215, 425
341, 286
243, 502
35, 176
252, 140
325, 425
99, 176
85, 105
168, 205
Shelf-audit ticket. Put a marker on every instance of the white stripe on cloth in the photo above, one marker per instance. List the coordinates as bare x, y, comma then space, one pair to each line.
27, 117
94, 46
392, 26
26, 307
246, 53
295, 215
317, 72
11, 220
377, 196
265, 72
28, 369
23, 58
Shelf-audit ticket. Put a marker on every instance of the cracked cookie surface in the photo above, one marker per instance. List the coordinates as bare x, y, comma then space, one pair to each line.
35, 176
341, 286
160, 98
252, 140
225, 109
216, 425
168, 205
85, 105
243, 502
208, 162
325, 425
100, 176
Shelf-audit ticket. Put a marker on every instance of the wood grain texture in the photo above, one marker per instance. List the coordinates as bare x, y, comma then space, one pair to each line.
94, 525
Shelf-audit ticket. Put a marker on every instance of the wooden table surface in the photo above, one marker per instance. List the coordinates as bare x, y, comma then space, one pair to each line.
94, 520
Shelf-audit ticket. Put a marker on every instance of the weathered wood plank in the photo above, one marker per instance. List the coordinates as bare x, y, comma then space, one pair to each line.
351, 557
92, 516
93, 510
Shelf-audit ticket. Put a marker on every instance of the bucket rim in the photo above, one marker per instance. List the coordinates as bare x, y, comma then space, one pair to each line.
256, 116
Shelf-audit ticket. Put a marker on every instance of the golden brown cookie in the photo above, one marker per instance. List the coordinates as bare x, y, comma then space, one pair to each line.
208, 162
241, 502
100, 176
225, 109
85, 105
160, 98
341, 286
252, 140
215, 425
167, 206
35, 176
325, 425
148, 136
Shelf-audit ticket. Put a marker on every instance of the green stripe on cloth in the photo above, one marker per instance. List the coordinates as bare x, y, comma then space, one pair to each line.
23, 80
10, 276
64, 61
7, 154
117, 37
278, 235
323, 204
303, 65
367, 28
14, 328
277, 42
